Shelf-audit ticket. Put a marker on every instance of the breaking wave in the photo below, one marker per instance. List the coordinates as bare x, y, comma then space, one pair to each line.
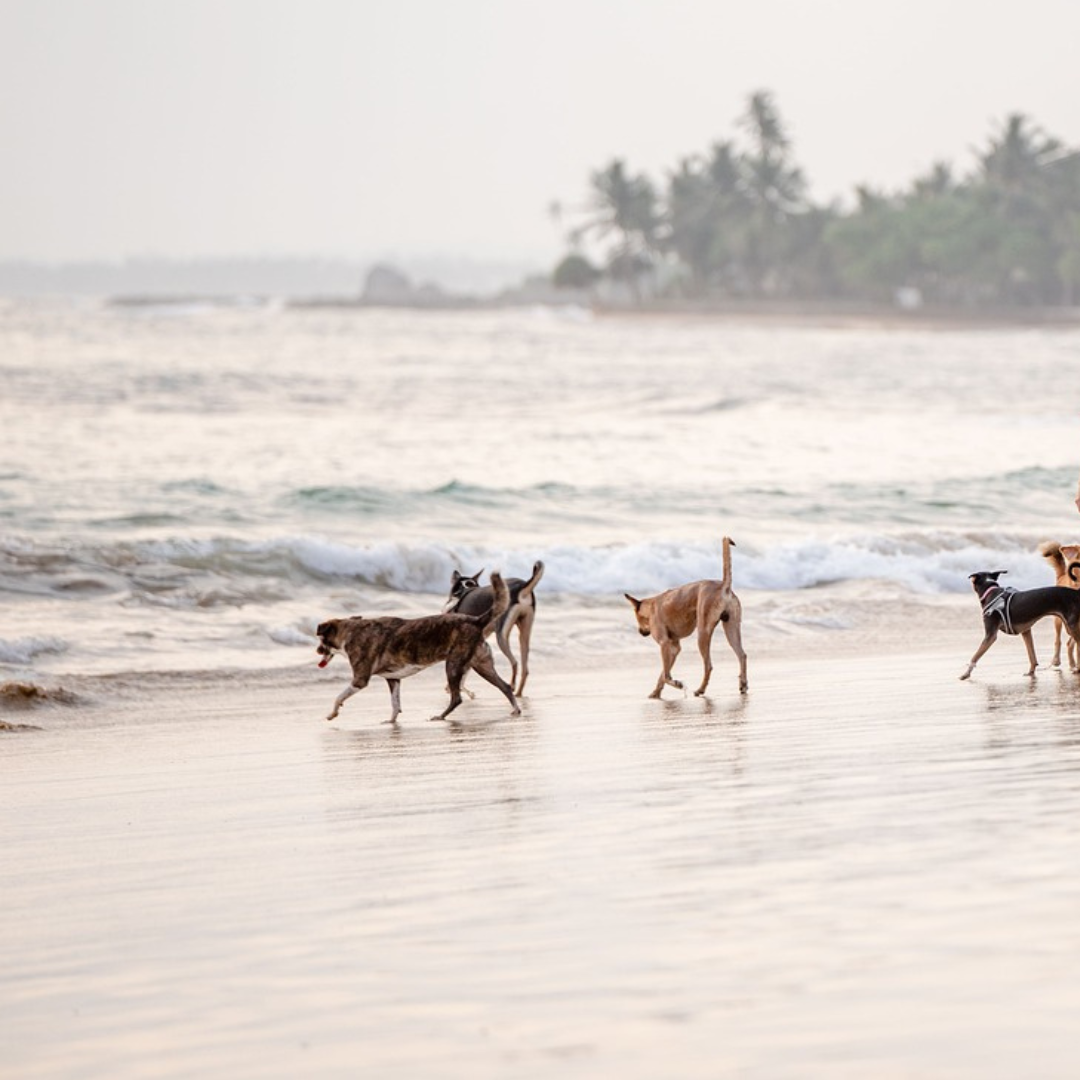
229, 572
23, 650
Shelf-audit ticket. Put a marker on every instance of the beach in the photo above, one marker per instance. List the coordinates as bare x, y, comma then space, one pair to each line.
864, 866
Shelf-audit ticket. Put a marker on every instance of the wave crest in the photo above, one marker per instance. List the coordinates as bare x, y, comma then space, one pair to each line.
22, 651
231, 572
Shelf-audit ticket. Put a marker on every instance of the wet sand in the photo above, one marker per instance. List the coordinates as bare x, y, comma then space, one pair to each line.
865, 867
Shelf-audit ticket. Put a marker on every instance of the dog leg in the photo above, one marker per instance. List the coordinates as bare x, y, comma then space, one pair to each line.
453, 679
669, 653
1056, 661
704, 644
343, 697
524, 626
395, 700
484, 666
1030, 644
1074, 646
502, 637
991, 637
464, 689
733, 633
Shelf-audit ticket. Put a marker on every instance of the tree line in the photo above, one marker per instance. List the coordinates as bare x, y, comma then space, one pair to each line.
736, 222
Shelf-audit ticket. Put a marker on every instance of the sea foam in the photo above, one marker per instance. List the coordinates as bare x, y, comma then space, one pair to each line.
234, 572
930, 563
23, 650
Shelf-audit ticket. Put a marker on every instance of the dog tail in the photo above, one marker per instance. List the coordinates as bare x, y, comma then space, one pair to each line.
1074, 566
728, 545
1051, 552
501, 603
537, 574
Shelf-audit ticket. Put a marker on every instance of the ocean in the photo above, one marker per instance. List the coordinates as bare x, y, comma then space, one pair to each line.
192, 487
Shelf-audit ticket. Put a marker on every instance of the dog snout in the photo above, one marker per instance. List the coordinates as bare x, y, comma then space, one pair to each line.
643, 633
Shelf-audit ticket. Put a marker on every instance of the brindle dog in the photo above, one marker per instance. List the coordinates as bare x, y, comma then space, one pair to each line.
396, 648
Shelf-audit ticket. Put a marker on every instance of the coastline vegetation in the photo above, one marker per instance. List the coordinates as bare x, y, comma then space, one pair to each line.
736, 223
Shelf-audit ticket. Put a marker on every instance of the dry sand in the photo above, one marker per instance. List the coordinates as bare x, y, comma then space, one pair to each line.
862, 868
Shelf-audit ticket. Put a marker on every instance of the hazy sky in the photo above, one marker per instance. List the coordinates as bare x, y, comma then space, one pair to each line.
358, 128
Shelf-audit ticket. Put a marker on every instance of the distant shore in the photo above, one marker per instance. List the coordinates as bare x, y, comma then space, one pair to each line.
795, 312
882, 316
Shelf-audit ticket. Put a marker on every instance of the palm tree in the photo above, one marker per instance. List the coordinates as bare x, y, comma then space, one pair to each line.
937, 182
774, 187
772, 180
707, 215
1018, 192
689, 221
1012, 165
623, 206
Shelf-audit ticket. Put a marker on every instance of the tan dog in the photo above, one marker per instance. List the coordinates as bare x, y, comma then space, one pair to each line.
469, 597
397, 648
677, 613
1064, 560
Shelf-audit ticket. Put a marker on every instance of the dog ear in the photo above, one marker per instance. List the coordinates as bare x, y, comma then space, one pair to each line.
633, 600
997, 573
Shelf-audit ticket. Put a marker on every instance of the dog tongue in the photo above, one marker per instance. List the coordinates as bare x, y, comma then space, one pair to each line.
324, 661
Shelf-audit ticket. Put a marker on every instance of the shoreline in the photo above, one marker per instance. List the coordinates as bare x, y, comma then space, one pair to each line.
947, 631
837, 315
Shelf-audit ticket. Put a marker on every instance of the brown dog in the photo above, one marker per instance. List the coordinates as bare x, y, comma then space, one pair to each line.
1064, 559
397, 648
677, 613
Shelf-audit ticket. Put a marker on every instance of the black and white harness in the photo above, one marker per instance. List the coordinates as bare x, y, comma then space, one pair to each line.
997, 601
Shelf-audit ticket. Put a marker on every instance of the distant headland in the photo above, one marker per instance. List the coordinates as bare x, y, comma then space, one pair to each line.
730, 231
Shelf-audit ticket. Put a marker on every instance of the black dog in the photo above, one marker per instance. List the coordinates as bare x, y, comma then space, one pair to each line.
469, 597
1017, 612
